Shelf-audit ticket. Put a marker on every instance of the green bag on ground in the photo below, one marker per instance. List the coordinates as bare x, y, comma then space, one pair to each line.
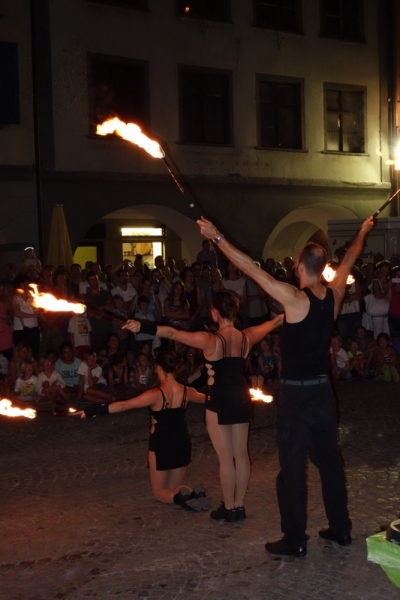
386, 554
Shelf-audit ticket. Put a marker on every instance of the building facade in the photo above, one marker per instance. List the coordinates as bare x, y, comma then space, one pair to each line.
269, 112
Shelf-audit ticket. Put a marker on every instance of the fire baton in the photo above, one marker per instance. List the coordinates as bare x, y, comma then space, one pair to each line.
374, 216
132, 133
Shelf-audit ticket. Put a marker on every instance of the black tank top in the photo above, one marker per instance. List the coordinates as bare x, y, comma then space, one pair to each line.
304, 345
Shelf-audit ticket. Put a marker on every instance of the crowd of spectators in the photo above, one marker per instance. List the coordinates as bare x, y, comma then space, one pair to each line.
57, 356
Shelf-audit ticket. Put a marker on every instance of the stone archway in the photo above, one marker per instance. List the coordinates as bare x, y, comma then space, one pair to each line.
301, 224
185, 228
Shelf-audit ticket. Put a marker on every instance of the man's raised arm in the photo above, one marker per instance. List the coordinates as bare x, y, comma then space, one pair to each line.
282, 292
340, 280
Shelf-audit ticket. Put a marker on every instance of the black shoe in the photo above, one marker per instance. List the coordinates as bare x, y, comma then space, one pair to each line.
184, 498
240, 513
224, 514
283, 549
200, 494
328, 534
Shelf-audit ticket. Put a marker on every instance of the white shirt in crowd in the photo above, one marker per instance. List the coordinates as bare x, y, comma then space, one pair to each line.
83, 369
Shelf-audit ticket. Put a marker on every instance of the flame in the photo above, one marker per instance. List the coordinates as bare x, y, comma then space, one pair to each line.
131, 133
53, 304
8, 410
258, 396
72, 410
329, 275
395, 161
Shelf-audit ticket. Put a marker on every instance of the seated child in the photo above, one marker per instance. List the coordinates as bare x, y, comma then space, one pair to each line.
26, 385
267, 363
356, 358
118, 377
143, 377
340, 362
50, 383
386, 360
68, 366
92, 385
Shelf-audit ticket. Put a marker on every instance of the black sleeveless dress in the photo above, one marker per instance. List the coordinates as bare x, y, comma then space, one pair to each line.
228, 393
170, 440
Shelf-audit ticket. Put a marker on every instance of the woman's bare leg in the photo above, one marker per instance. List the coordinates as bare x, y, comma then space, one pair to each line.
221, 438
165, 484
240, 434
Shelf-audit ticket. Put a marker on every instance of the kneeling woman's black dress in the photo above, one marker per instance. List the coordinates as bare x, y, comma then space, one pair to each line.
170, 440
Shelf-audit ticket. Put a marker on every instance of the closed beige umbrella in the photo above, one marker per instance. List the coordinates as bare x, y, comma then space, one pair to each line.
60, 252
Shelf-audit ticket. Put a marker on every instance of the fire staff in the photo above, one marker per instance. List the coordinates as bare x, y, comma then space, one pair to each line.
306, 414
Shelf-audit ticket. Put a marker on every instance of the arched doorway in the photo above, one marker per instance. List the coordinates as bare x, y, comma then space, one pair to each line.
300, 225
109, 249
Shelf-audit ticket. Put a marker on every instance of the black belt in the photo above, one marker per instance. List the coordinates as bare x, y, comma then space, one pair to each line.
305, 381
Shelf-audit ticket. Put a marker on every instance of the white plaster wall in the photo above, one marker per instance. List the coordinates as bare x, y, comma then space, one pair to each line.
166, 41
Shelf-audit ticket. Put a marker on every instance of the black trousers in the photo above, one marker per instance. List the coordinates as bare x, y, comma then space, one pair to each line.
306, 427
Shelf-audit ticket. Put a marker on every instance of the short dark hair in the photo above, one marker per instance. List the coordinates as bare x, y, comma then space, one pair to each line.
122, 271
65, 345
92, 274
313, 257
143, 298
227, 303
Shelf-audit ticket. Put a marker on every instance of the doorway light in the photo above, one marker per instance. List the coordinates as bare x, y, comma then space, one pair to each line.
141, 231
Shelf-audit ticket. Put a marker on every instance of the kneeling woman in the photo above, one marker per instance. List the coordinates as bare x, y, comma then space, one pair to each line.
169, 447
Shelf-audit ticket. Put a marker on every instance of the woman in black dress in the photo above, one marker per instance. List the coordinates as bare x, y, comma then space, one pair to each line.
228, 404
169, 445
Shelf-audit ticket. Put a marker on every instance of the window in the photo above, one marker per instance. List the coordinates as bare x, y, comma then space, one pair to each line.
142, 4
206, 9
280, 114
278, 14
9, 85
342, 19
118, 87
344, 119
205, 97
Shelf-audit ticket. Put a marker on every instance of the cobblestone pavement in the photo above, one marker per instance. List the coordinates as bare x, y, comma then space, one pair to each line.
78, 519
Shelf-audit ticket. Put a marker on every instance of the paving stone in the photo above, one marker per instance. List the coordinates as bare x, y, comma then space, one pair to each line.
78, 519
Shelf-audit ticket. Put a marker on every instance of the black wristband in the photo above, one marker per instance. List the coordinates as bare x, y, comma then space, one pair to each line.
96, 410
148, 327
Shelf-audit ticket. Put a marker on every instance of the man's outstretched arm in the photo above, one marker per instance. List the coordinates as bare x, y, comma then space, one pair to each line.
283, 292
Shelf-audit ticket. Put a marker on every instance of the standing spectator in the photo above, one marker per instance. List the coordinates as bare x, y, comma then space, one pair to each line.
125, 289
75, 280
79, 329
84, 285
6, 338
394, 303
193, 296
28, 261
380, 289
97, 300
26, 325
349, 315
176, 307
234, 281
207, 254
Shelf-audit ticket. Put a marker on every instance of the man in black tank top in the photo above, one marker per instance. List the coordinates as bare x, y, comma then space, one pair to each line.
306, 412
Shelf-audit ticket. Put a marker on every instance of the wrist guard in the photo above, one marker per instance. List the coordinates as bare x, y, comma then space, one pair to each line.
96, 410
148, 327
